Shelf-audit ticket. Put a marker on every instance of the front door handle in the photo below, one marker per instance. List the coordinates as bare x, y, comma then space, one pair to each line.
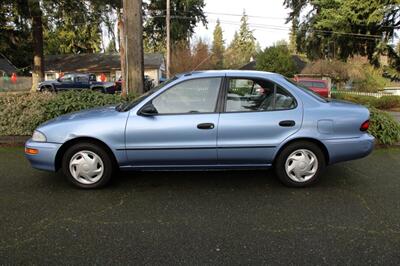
205, 126
287, 123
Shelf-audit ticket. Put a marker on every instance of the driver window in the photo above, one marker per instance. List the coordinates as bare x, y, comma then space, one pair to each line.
192, 96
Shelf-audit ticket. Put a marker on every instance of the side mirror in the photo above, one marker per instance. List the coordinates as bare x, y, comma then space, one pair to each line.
148, 110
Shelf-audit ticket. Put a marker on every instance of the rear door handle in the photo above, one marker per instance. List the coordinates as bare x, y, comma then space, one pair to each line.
205, 126
287, 123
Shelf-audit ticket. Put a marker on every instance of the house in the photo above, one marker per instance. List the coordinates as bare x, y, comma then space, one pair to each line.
107, 64
6, 67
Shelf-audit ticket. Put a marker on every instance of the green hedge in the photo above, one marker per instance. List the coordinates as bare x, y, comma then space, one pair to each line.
21, 113
384, 127
384, 103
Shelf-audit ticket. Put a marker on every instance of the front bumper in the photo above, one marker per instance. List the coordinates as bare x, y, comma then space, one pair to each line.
46, 157
349, 149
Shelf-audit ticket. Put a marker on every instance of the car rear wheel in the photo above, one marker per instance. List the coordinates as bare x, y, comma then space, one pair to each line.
300, 164
87, 165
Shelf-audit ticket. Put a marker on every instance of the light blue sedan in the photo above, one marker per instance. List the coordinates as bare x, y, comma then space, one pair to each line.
207, 120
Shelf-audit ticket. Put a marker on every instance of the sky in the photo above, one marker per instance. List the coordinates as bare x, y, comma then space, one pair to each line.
266, 18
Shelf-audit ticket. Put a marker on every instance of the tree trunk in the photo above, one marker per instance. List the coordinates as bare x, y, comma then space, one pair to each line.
121, 35
37, 33
134, 46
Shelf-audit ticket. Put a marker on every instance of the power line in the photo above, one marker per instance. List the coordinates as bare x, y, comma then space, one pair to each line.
260, 17
280, 28
240, 15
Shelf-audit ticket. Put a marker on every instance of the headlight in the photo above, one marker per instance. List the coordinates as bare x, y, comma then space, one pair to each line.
38, 136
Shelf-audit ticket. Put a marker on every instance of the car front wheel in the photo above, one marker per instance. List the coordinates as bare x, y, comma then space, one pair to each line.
87, 165
300, 164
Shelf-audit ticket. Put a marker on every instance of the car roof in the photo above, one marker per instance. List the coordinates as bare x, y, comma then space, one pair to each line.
239, 73
313, 80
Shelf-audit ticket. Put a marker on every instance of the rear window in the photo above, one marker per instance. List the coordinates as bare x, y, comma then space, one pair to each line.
307, 90
319, 84
314, 84
306, 83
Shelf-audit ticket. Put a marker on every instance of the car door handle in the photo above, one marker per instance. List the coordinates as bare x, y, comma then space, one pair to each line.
287, 123
205, 126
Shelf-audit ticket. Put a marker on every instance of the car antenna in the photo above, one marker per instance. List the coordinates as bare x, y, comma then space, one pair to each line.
202, 62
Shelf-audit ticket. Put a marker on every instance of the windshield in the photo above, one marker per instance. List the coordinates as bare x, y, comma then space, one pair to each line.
128, 105
307, 90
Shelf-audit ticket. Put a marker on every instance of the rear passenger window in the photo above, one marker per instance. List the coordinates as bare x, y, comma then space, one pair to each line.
248, 95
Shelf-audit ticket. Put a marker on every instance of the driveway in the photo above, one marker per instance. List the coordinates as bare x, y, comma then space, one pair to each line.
351, 217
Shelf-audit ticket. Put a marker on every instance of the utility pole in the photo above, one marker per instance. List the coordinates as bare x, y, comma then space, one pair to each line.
121, 30
133, 24
168, 21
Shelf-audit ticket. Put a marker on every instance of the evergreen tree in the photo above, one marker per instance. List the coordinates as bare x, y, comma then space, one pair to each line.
344, 28
243, 46
218, 47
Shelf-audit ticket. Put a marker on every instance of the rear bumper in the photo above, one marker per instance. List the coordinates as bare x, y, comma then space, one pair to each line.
349, 149
46, 157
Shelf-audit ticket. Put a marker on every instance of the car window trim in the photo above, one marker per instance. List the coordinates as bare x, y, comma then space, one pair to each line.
226, 88
194, 113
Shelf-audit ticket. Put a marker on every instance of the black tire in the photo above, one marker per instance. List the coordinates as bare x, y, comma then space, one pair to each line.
47, 89
280, 163
107, 161
98, 89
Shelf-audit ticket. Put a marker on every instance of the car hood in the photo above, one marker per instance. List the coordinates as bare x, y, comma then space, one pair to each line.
97, 113
48, 82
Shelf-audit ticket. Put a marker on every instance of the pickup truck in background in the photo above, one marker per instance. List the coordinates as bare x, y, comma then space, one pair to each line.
76, 81
148, 84
319, 86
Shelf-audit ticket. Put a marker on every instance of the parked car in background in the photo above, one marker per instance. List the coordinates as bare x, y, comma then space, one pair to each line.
319, 86
207, 120
76, 81
148, 84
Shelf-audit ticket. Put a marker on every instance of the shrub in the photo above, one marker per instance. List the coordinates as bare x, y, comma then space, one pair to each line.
360, 99
337, 70
384, 103
369, 79
21, 113
73, 101
363, 76
384, 127
387, 102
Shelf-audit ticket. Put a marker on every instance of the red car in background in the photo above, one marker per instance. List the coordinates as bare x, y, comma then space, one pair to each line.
317, 85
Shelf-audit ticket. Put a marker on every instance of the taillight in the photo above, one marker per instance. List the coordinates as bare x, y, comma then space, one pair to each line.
364, 126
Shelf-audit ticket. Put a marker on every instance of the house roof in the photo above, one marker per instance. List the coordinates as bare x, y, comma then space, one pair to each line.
249, 66
6, 66
95, 62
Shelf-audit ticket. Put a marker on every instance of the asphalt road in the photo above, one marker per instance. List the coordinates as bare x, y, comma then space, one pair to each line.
351, 217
